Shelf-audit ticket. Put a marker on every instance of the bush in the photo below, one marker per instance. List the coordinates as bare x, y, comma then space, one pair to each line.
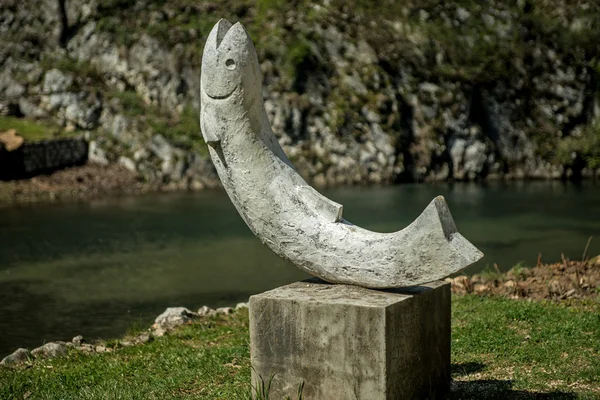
583, 148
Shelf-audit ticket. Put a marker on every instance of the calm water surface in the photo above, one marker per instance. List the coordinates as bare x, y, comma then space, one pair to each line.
97, 268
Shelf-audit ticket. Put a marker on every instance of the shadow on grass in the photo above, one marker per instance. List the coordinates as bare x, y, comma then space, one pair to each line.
498, 389
467, 368
494, 388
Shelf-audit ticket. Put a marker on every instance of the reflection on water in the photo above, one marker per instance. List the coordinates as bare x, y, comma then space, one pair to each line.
95, 268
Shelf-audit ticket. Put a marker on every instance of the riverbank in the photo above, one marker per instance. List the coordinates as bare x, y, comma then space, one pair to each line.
559, 281
76, 183
94, 181
501, 348
86, 182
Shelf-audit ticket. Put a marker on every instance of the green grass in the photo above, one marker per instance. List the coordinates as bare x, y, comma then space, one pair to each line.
209, 359
517, 347
32, 130
500, 349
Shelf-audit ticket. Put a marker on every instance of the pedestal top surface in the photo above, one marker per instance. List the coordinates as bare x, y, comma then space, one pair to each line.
317, 291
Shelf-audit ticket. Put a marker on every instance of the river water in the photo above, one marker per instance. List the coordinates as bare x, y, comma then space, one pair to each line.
99, 267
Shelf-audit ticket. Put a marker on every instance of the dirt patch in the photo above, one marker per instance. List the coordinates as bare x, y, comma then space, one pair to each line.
564, 280
84, 182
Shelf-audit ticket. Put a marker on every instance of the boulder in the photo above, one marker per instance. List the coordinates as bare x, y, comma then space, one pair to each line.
10, 88
96, 154
128, 163
55, 81
174, 316
31, 110
142, 338
20, 356
161, 147
52, 349
206, 311
84, 112
158, 331
457, 152
224, 310
474, 159
77, 340
87, 348
101, 349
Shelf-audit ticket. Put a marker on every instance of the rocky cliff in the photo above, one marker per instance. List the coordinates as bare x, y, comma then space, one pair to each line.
357, 91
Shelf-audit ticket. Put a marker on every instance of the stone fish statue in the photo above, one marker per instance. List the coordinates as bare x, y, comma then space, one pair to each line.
288, 215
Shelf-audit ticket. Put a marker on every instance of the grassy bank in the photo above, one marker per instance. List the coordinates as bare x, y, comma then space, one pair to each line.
33, 131
500, 349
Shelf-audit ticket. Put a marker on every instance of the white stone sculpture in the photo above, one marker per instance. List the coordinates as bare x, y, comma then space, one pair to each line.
293, 219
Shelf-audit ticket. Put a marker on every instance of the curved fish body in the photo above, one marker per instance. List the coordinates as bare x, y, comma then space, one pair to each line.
288, 215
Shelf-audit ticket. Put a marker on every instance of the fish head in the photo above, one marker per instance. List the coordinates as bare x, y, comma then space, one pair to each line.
230, 65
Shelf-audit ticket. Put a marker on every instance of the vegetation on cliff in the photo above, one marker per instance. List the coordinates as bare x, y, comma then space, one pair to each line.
357, 91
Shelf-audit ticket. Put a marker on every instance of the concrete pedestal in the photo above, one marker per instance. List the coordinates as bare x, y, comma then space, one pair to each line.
346, 342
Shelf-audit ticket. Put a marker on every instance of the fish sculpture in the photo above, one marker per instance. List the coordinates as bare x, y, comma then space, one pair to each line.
293, 219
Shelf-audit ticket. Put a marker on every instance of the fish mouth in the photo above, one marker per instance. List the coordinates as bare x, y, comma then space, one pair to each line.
223, 97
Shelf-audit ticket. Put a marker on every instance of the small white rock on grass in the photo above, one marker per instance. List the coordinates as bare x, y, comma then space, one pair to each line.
206, 311
174, 316
77, 340
224, 310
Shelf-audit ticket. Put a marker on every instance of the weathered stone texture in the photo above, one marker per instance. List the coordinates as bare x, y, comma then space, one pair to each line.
346, 342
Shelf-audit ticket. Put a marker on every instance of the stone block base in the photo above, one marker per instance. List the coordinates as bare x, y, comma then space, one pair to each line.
346, 342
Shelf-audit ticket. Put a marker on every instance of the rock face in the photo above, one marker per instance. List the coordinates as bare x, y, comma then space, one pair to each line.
355, 94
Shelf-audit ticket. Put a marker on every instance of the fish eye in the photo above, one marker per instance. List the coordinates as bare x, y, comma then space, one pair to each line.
230, 64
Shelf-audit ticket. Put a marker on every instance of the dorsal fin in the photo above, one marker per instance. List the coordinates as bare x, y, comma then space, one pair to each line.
321, 204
